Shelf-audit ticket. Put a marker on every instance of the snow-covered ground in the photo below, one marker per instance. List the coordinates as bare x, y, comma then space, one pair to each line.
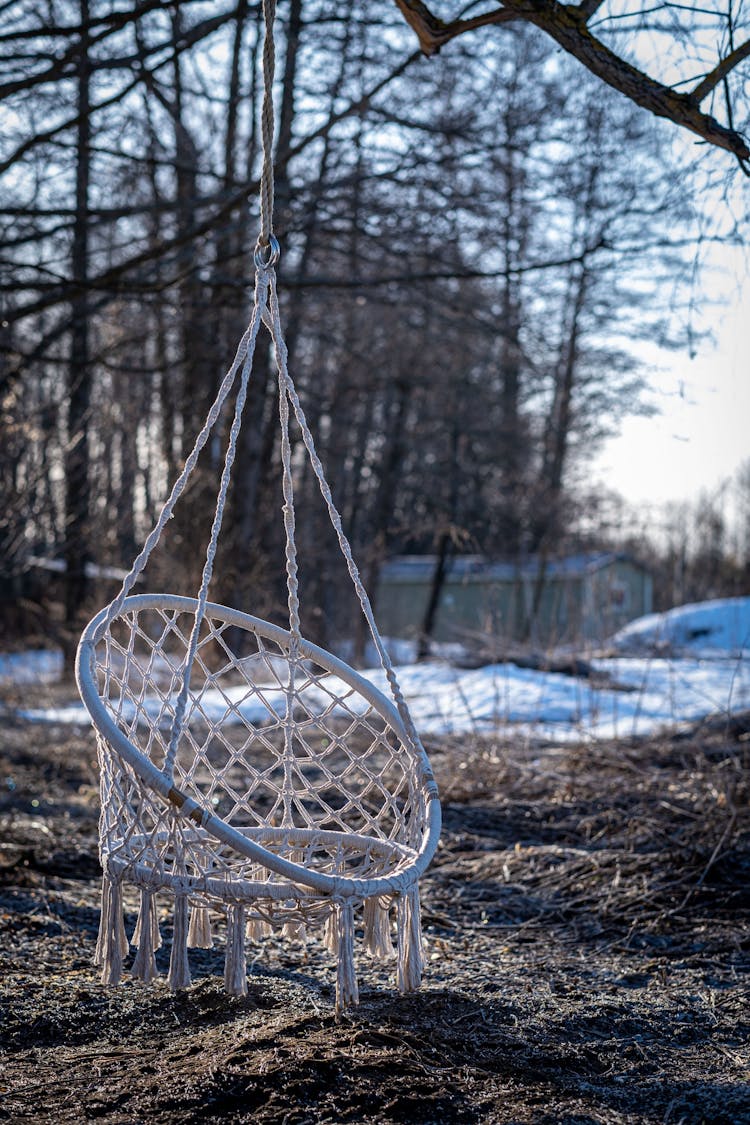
631, 694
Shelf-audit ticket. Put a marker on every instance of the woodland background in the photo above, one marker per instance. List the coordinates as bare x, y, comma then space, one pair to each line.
472, 248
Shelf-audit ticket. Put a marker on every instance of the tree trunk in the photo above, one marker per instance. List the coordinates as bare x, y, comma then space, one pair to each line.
433, 601
77, 547
444, 546
382, 512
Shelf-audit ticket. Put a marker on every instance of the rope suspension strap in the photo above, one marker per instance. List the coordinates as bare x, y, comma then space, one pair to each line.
267, 248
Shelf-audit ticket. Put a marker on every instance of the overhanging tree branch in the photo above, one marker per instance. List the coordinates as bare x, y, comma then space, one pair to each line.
719, 73
567, 24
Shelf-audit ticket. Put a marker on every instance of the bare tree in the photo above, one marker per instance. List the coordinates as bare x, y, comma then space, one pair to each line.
77, 549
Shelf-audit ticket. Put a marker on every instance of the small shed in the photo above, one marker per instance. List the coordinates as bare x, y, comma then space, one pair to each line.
563, 601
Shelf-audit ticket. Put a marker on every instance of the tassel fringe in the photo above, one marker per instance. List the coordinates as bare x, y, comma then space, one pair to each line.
154, 921
199, 932
338, 937
112, 944
105, 914
331, 932
347, 992
377, 917
410, 955
144, 936
235, 964
179, 968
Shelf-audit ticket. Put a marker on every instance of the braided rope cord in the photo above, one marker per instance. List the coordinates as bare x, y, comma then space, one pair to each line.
208, 566
293, 597
266, 128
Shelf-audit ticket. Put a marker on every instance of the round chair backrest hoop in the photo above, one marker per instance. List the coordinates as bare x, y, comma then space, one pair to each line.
152, 777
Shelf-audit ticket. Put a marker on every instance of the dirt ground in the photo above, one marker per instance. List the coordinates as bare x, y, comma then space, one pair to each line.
587, 939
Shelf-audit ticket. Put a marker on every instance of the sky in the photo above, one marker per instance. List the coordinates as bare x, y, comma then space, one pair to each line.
702, 431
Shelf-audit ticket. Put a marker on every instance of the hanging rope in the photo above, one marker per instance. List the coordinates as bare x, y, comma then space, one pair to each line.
267, 250
272, 320
261, 296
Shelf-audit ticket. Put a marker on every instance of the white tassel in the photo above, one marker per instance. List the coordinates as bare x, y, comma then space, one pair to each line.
331, 932
179, 968
112, 944
410, 955
144, 965
122, 937
258, 928
347, 992
156, 942
377, 919
199, 931
235, 965
153, 921
105, 916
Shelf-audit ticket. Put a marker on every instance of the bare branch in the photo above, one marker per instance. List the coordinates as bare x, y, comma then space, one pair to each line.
588, 8
433, 33
114, 279
720, 72
567, 25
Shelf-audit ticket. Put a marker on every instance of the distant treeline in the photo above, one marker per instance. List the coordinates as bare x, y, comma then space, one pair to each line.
469, 251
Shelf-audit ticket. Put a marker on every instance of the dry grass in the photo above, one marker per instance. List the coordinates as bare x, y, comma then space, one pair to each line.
588, 952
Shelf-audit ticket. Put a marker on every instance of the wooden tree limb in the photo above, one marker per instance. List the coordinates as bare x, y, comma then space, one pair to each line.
719, 73
587, 8
567, 25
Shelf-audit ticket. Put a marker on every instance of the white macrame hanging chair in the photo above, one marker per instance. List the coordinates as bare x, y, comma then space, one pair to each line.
258, 782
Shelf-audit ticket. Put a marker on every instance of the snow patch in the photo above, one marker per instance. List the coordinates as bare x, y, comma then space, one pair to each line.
713, 628
37, 666
639, 693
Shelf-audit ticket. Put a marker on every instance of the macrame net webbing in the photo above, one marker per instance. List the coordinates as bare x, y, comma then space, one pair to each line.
262, 779
322, 777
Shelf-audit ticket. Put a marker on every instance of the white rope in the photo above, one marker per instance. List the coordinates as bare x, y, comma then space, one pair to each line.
293, 602
370, 843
